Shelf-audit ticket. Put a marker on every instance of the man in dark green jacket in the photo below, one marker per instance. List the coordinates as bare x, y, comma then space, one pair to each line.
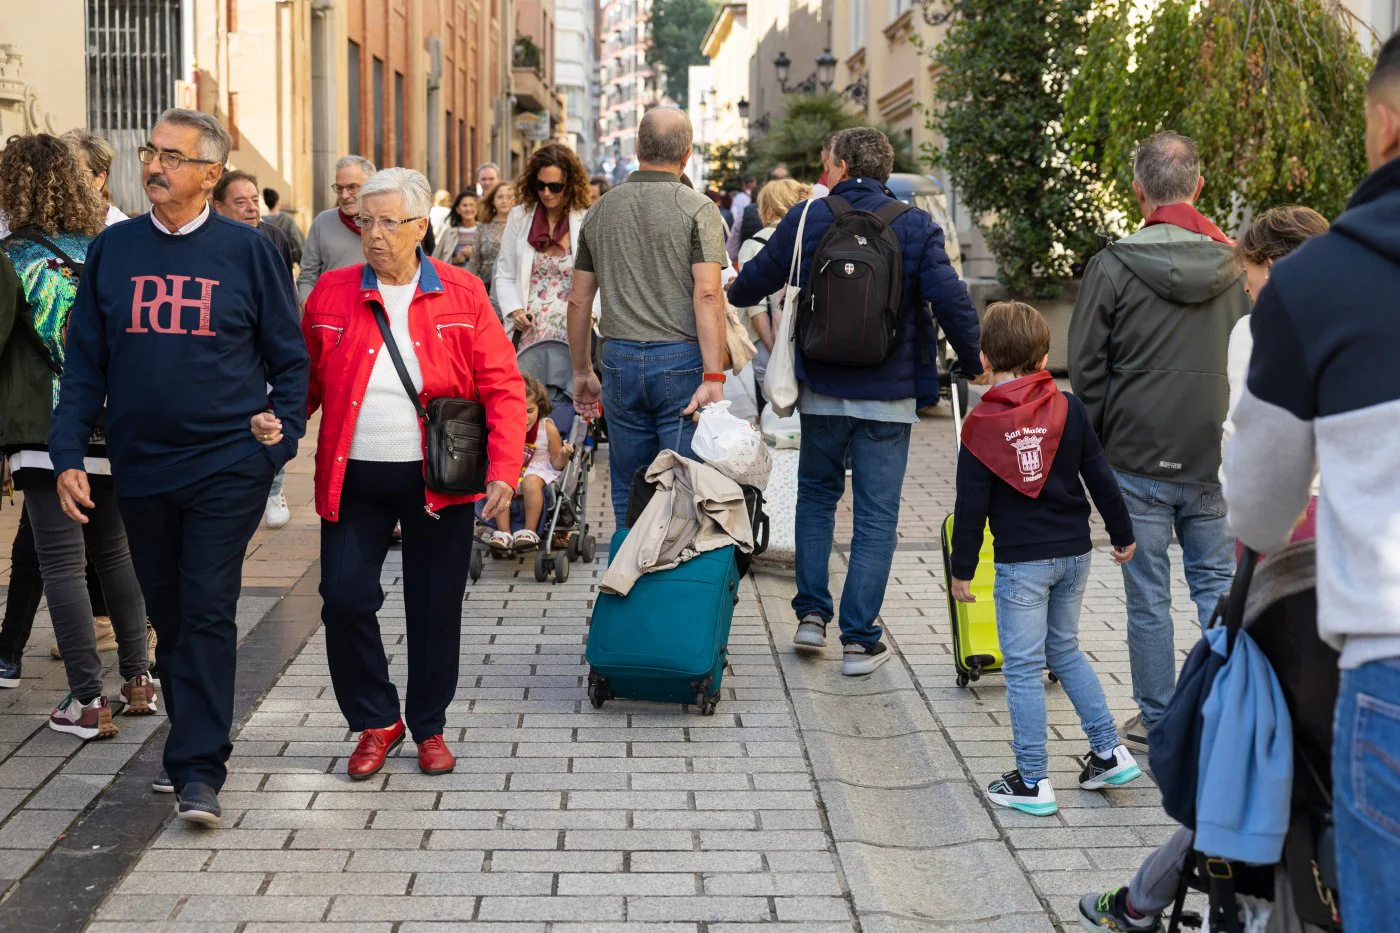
1147, 348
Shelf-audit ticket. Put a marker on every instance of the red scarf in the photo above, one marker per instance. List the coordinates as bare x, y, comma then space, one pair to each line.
541, 236
1016, 429
348, 221
1187, 218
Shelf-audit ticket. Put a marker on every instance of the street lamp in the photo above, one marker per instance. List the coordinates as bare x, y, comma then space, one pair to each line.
826, 69
808, 85
784, 66
743, 106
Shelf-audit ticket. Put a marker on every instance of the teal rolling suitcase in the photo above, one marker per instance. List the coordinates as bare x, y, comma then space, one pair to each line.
667, 639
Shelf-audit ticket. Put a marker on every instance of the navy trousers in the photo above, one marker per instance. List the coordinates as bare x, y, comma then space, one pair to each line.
436, 555
188, 546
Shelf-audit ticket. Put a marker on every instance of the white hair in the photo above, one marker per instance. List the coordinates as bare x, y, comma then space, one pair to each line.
214, 141
355, 161
413, 186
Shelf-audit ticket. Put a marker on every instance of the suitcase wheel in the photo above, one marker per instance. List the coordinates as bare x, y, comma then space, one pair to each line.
963, 679
598, 691
706, 704
1054, 678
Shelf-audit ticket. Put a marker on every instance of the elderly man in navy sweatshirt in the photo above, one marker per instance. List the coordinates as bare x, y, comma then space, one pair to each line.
1322, 396
866, 409
183, 319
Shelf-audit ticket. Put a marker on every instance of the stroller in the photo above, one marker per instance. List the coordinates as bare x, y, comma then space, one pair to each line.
1277, 605
565, 536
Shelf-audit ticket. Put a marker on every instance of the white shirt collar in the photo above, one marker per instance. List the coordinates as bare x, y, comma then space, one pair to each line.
188, 228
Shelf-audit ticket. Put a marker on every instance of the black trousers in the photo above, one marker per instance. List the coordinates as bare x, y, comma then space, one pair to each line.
27, 589
436, 555
188, 547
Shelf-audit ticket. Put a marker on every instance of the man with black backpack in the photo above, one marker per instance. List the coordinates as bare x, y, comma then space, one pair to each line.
868, 267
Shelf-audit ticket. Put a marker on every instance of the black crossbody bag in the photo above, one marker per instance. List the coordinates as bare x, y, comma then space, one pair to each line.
455, 460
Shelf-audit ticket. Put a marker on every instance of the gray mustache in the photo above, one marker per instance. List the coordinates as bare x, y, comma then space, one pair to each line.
158, 181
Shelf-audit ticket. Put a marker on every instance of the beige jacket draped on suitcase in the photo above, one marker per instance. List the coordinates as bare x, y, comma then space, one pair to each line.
695, 509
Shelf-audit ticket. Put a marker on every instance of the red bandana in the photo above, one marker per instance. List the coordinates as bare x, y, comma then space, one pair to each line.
1188, 218
1015, 430
348, 221
531, 442
541, 236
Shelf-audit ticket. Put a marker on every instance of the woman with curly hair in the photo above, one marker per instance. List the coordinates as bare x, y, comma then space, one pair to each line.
55, 215
535, 270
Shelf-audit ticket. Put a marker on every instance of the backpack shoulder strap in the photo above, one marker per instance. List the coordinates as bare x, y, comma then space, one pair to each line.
890, 211
839, 205
34, 235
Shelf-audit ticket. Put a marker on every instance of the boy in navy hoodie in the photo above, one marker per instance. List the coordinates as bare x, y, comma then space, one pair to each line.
1024, 450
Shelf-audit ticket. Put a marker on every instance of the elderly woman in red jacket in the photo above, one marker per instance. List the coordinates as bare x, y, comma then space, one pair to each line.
369, 463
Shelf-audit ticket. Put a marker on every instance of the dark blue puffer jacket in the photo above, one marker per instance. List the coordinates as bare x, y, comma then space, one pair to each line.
928, 276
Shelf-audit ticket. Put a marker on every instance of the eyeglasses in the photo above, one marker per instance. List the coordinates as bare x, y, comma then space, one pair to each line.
345, 189
390, 227
553, 187
170, 161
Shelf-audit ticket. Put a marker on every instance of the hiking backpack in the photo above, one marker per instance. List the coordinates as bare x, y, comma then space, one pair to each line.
851, 314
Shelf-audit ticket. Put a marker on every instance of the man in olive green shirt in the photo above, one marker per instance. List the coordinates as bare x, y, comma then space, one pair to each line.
655, 247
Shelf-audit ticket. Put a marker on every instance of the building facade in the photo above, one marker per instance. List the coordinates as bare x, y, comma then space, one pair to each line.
630, 86
576, 74
728, 45
798, 29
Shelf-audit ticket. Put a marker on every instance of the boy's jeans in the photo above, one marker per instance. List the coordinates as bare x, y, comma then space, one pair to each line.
1366, 782
645, 387
1037, 605
1197, 513
879, 451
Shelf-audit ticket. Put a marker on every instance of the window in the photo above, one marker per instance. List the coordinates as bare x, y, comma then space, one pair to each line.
357, 143
858, 17
377, 89
399, 109
231, 15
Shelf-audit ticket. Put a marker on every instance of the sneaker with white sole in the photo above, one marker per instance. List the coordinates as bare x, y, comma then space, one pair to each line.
10, 673
87, 721
1010, 790
139, 694
811, 632
162, 783
1117, 769
858, 659
276, 514
1135, 734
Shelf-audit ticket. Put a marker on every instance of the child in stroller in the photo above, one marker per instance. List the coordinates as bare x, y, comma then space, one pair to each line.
547, 512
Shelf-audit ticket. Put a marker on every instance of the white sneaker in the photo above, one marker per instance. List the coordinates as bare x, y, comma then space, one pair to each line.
277, 514
1010, 790
1114, 771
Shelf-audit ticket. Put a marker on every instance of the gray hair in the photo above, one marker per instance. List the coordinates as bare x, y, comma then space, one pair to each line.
866, 151
488, 165
664, 137
413, 186
1167, 165
355, 161
214, 140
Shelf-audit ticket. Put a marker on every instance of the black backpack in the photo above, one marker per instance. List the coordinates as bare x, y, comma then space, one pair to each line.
851, 313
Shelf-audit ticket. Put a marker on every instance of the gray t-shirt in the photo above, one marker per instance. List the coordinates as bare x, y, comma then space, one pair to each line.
640, 240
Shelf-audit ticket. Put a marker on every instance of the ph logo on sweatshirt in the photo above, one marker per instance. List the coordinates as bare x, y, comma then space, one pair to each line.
158, 307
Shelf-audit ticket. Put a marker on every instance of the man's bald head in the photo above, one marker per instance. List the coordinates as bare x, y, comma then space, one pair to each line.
1383, 106
664, 138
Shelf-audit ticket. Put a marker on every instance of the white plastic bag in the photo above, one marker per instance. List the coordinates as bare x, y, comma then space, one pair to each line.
732, 446
782, 433
780, 382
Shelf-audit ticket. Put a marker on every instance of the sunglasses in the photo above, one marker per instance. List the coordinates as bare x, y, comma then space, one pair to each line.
553, 187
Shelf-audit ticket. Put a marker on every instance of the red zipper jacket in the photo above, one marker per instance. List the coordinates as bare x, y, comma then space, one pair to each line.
462, 350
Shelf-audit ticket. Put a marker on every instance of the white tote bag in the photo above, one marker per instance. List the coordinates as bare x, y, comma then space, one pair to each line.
780, 382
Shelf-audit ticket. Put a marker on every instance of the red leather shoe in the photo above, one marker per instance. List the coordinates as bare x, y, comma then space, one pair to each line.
433, 756
375, 745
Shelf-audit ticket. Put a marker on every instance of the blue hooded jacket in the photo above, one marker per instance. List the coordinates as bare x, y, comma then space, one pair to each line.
1244, 793
928, 277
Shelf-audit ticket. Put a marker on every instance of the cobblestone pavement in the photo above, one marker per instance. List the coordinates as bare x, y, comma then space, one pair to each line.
809, 803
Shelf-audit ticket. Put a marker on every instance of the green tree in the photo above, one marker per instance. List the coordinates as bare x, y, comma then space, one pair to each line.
726, 164
676, 29
1004, 68
1272, 91
796, 139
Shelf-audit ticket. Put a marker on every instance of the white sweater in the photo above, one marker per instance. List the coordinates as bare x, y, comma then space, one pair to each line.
387, 430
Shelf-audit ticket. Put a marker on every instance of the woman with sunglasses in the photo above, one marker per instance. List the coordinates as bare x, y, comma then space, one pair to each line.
535, 269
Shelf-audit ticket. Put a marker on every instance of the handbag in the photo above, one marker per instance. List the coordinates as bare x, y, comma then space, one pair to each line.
739, 350
454, 460
780, 381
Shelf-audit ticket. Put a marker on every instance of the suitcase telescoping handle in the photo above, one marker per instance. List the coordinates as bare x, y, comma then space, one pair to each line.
956, 393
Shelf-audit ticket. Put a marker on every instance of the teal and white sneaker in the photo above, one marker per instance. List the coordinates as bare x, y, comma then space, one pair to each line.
1117, 769
1010, 791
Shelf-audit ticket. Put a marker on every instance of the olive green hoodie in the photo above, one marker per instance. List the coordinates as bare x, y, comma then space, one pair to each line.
1147, 350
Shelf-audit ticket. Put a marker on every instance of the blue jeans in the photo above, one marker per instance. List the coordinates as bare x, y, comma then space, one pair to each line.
878, 451
645, 388
1196, 511
1037, 605
1366, 788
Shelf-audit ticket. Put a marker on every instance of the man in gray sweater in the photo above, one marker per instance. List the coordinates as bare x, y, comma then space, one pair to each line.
334, 241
